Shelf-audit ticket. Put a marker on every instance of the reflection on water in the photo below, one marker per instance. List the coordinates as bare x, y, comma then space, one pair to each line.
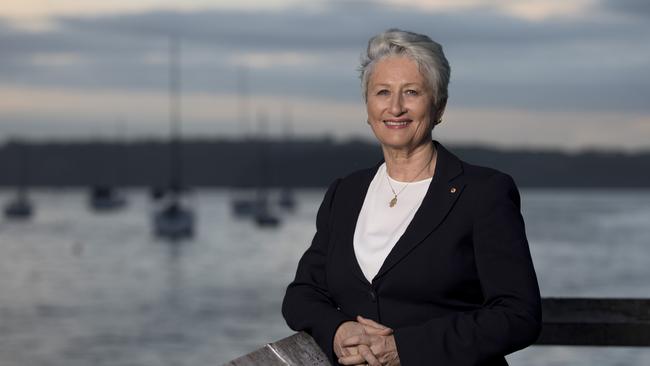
78, 288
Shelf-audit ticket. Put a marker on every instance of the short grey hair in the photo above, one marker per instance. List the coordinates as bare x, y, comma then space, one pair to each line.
426, 53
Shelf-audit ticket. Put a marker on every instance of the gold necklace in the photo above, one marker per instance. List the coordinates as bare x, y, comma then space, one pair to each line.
393, 201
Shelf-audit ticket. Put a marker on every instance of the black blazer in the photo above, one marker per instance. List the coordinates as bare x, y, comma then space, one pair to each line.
458, 288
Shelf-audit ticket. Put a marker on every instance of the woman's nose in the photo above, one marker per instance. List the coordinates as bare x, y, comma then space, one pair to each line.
397, 105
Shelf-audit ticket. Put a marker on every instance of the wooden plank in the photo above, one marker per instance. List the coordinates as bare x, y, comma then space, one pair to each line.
595, 322
262, 356
298, 349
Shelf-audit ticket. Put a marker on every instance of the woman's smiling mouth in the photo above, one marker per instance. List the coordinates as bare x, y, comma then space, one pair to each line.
397, 123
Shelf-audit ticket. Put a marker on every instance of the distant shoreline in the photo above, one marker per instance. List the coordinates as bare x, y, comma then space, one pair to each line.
296, 162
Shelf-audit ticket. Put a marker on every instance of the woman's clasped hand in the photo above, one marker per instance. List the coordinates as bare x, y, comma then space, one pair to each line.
365, 342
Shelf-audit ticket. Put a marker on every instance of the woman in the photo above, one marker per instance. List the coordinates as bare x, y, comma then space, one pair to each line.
422, 259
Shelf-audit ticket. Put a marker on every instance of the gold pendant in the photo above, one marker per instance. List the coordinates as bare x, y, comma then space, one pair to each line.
393, 202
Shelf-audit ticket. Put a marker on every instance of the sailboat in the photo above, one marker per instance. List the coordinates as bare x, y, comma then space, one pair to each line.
156, 192
105, 196
242, 204
287, 199
174, 220
263, 215
21, 207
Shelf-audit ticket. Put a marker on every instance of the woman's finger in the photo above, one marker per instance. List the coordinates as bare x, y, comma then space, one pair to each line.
378, 349
348, 351
374, 331
370, 322
385, 350
352, 360
364, 356
368, 355
357, 340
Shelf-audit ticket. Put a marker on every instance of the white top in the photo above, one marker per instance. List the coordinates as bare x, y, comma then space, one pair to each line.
380, 226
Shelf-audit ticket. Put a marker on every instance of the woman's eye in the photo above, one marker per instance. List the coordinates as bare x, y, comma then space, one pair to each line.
383, 92
412, 92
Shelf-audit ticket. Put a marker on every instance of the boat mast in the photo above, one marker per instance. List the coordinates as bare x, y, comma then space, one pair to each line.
243, 101
176, 168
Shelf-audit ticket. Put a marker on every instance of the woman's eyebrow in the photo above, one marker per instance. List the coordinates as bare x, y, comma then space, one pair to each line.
413, 83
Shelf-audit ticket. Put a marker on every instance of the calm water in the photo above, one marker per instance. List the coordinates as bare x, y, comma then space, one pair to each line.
78, 288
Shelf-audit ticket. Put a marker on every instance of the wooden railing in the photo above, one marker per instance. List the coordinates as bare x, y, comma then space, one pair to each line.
566, 321
298, 349
595, 322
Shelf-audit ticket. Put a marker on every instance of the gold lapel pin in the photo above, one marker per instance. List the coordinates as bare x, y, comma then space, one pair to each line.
453, 190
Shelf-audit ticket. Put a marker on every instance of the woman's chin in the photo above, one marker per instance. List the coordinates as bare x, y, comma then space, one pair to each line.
401, 138
402, 141
397, 144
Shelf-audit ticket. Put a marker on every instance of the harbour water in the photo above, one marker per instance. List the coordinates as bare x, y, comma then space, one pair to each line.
80, 288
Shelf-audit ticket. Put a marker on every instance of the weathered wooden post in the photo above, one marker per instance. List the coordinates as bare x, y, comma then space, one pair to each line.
298, 349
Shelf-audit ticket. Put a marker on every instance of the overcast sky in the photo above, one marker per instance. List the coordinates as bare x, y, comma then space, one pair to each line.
567, 74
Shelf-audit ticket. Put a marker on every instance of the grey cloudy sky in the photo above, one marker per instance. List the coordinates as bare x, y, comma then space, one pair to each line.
569, 74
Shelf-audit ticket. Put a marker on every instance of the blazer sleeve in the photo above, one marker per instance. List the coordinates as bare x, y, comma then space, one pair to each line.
510, 316
307, 305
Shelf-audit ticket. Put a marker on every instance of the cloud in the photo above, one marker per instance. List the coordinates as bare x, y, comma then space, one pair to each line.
317, 52
37, 15
266, 60
543, 128
635, 8
70, 112
594, 63
349, 26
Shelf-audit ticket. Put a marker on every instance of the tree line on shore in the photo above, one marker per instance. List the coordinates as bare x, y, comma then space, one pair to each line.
297, 162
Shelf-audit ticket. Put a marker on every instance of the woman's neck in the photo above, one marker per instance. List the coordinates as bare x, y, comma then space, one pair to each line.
412, 164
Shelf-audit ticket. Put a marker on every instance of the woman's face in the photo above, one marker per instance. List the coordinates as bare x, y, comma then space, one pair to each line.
399, 103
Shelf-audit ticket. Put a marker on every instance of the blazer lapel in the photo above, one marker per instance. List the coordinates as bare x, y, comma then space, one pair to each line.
349, 216
437, 202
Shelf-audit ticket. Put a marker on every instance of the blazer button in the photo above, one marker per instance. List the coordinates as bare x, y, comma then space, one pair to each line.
373, 296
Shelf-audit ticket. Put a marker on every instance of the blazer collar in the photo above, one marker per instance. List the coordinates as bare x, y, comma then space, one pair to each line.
445, 188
